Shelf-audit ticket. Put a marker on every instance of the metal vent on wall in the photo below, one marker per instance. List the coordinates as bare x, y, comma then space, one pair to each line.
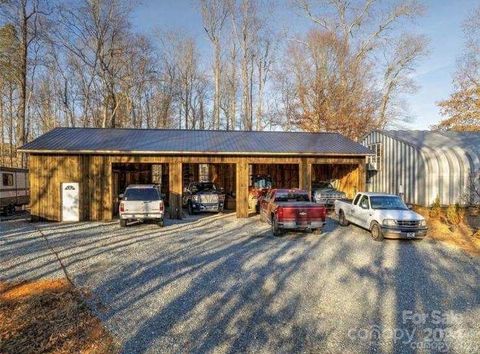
371, 166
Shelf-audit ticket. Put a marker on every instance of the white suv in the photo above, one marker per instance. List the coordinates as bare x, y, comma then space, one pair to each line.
141, 202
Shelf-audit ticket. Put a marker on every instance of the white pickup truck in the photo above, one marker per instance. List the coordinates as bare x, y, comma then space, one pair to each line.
385, 215
141, 202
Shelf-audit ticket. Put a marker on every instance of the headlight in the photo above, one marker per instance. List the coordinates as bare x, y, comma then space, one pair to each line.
423, 222
389, 222
196, 198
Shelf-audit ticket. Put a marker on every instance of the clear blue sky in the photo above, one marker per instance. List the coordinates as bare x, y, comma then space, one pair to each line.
441, 24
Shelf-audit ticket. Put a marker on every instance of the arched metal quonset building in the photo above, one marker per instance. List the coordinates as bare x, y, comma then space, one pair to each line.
422, 165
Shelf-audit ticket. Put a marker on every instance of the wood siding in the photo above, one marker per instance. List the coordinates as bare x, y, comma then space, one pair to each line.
94, 173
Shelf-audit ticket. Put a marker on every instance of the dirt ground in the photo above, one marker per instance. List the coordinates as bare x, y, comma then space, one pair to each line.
465, 235
48, 316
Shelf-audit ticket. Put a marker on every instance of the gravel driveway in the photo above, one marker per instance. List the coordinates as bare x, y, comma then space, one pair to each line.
220, 284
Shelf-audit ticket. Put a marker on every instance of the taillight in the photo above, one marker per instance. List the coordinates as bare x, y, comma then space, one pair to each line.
122, 207
280, 212
161, 206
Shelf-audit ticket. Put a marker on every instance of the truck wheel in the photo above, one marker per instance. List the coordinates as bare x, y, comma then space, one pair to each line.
123, 223
190, 209
342, 220
376, 231
161, 223
275, 229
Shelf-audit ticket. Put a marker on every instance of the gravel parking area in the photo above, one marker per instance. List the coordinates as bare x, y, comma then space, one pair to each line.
215, 283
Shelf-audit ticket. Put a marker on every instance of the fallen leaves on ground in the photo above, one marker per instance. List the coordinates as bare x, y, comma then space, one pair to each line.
49, 316
461, 235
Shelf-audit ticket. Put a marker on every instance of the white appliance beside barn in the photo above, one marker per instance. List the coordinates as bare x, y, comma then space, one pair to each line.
71, 201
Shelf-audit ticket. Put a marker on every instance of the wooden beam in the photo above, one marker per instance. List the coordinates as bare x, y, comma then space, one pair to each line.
175, 190
242, 188
305, 175
234, 159
362, 176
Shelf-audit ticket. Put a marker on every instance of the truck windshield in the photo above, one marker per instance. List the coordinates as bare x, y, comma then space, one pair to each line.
141, 194
324, 185
387, 202
204, 187
291, 197
262, 183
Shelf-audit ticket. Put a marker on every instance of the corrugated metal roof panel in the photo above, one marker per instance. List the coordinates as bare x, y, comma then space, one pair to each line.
437, 139
151, 141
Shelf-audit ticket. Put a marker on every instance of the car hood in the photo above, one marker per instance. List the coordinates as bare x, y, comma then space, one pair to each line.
400, 214
207, 192
327, 190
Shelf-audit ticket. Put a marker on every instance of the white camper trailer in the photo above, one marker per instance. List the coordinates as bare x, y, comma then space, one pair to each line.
14, 190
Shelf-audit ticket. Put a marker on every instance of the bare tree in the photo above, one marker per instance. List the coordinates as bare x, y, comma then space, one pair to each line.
462, 108
26, 17
243, 25
397, 76
264, 64
98, 33
214, 14
341, 64
230, 84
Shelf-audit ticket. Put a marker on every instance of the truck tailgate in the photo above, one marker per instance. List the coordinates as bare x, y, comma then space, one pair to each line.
301, 212
143, 207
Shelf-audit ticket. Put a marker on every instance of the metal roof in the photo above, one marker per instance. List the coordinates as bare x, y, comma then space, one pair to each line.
428, 164
176, 141
437, 139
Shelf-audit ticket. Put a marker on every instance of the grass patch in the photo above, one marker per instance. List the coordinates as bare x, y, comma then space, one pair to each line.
451, 226
49, 316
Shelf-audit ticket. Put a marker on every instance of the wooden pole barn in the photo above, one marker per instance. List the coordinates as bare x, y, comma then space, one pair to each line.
86, 156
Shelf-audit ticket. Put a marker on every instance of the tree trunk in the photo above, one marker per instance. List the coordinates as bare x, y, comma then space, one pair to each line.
216, 98
2, 132
245, 88
10, 132
21, 126
202, 116
233, 90
260, 98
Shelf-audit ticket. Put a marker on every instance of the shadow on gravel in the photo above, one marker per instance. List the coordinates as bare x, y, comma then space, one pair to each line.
424, 301
230, 286
228, 302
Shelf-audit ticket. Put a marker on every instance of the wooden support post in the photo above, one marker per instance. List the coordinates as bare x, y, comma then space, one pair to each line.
213, 169
305, 176
242, 188
362, 176
175, 190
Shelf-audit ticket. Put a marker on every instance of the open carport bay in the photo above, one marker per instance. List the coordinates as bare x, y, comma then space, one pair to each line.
216, 283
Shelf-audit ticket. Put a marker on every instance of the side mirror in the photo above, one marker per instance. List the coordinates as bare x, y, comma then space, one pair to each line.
121, 196
410, 206
185, 190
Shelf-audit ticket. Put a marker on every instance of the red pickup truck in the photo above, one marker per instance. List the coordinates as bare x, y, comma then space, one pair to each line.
291, 209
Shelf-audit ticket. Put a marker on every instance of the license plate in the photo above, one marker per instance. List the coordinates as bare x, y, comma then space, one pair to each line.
410, 234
